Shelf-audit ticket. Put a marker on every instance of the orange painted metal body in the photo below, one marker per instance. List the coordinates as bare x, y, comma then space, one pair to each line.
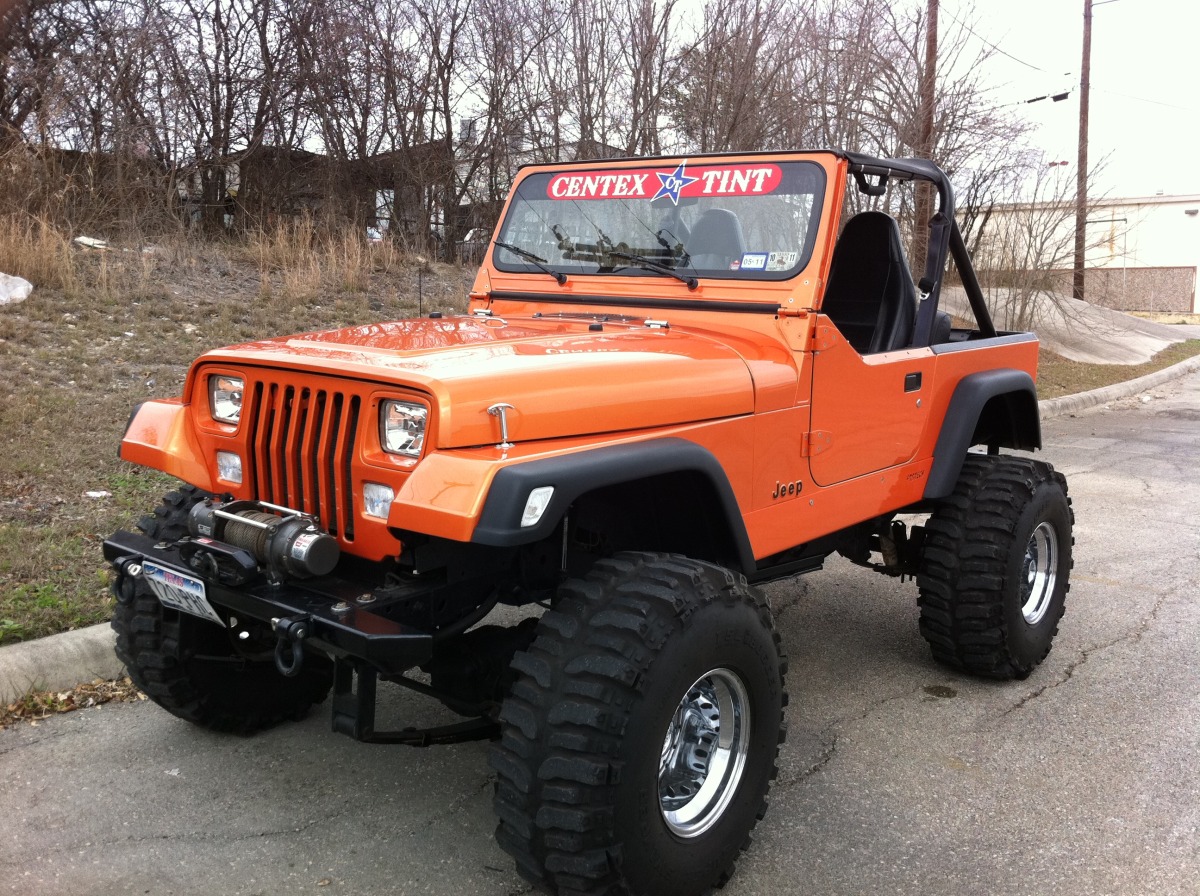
812, 436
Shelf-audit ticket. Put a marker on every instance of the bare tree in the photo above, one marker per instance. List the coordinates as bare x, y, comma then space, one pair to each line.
439, 101
542, 96
230, 66
738, 77
506, 38
1025, 252
33, 34
651, 62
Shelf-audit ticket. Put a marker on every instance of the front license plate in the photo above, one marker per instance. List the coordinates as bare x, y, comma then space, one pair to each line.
180, 591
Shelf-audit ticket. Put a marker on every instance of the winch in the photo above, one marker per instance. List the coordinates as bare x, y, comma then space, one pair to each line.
287, 541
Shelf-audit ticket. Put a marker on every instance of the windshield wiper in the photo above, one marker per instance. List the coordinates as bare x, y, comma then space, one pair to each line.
651, 265
535, 260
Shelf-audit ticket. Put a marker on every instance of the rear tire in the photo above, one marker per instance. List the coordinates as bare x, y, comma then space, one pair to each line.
996, 566
640, 740
194, 668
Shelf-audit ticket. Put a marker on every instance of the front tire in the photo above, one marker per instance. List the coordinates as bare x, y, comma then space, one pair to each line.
194, 668
640, 739
996, 566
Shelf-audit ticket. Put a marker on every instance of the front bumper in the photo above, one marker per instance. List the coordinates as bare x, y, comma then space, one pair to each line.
357, 633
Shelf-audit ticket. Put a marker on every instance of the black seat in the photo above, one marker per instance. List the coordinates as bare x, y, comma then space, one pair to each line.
716, 241
871, 297
943, 326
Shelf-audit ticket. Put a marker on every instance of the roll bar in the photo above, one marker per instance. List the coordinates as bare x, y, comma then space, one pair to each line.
945, 238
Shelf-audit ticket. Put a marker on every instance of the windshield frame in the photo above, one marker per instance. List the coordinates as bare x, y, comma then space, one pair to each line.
674, 190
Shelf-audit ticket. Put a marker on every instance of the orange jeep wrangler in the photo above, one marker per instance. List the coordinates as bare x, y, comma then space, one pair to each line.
678, 378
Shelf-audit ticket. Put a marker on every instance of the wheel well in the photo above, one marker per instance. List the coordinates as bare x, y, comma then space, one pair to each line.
997, 408
1009, 420
677, 512
667, 494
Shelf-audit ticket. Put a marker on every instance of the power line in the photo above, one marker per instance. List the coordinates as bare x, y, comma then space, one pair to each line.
1142, 99
994, 47
1061, 95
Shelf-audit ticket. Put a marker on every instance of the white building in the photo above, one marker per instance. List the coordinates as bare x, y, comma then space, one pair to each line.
1154, 241
1143, 253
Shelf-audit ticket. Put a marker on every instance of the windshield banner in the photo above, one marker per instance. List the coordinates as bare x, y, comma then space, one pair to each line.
671, 183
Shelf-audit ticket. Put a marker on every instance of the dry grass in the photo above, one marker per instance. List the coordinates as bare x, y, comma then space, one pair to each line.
33, 249
296, 261
301, 260
1168, 317
105, 330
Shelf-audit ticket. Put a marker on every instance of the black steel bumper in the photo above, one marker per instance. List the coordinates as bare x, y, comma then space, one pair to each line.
356, 633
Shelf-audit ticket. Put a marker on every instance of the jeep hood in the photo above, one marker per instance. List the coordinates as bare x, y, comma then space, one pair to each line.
560, 377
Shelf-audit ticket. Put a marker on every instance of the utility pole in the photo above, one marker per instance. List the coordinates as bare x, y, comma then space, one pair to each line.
924, 193
1077, 278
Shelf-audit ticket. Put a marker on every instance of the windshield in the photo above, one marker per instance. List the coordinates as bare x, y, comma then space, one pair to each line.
748, 221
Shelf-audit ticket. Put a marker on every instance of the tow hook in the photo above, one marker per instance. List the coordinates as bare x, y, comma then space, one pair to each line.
291, 632
125, 581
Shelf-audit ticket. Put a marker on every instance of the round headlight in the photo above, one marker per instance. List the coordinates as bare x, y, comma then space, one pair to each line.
402, 427
225, 397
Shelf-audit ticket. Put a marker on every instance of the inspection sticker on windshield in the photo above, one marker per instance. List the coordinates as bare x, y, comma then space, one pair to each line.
754, 261
673, 183
179, 591
782, 261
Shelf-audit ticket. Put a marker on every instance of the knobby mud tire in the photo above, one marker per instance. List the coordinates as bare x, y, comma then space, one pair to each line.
193, 668
996, 566
585, 729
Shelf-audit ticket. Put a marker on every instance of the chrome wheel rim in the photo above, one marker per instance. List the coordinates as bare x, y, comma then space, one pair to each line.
1039, 572
704, 753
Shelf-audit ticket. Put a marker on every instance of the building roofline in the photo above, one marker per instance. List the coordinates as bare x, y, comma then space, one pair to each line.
1107, 202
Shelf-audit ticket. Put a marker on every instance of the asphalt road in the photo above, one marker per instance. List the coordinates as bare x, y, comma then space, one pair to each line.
898, 776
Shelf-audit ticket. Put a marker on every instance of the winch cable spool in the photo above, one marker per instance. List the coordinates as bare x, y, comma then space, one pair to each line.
289, 542
246, 535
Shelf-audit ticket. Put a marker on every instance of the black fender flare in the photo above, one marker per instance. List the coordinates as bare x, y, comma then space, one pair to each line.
1018, 402
573, 475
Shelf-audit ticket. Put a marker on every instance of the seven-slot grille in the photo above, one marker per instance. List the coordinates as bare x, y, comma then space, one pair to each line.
302, 445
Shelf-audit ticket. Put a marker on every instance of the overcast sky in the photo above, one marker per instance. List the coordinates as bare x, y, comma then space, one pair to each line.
1145, 100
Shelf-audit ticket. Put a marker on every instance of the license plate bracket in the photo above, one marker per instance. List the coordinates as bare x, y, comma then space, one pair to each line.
180, 591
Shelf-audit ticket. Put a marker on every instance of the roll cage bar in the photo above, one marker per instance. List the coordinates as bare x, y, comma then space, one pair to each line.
944, 237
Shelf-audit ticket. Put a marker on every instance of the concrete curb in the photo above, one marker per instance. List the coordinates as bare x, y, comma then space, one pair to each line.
62, 661
1070, 404
58, 662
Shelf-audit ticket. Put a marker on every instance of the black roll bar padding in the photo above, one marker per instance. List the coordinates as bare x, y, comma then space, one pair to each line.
870, 189
935, 265
966, 271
